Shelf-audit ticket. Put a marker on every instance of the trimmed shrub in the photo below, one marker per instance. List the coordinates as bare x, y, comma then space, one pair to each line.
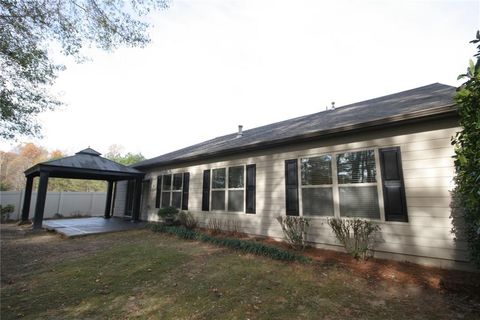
167, 212
168, 215
356, 235
245, 246
295, 230
187, 220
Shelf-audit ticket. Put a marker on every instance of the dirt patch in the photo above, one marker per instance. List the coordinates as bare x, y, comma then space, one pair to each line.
23, 249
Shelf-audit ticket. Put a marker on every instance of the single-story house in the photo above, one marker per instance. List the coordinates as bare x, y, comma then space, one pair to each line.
387, 159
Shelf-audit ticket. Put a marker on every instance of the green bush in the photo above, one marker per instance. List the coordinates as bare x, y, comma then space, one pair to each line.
167, 212
5, 211
235, 244
356, 235
467, 153
187, 220
295, 230
169, 215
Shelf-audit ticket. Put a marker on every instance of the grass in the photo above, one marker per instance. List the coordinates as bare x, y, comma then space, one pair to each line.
155, 276
81, 287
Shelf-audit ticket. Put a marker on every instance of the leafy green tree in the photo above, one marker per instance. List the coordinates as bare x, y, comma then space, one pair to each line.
467, 152
4, 186
27, 30
131, 158
115, 153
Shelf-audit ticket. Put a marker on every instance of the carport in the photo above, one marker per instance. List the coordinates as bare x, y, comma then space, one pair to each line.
86, 164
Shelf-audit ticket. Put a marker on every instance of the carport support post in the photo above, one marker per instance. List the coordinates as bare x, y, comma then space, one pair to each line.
136, 199
108, 205
27, 199
41, 197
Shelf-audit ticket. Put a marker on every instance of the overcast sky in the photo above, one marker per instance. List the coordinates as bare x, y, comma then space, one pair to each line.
213, 65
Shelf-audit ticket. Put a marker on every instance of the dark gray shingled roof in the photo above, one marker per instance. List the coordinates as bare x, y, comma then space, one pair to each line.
87, 159
420, 102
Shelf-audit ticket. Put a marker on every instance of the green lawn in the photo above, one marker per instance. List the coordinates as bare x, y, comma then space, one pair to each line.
154, 276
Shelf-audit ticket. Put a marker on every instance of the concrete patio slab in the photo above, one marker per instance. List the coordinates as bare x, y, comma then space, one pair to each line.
85, 226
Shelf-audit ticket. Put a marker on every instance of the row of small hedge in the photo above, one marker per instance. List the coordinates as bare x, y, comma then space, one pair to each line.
232, 243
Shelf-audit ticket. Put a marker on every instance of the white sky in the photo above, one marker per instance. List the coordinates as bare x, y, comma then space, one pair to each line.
213, 65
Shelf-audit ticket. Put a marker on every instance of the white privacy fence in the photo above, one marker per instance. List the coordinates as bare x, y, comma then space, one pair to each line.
64, 203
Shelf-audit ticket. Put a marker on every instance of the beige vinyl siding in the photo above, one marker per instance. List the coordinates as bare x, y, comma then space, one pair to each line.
428, 174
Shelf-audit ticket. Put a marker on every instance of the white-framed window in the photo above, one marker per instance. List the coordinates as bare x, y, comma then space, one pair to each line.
357, 184
171, 190
236, 189
317, 185
341, 184
228, 189
219, 183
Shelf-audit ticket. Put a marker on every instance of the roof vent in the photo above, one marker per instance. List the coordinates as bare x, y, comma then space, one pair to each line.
333, 105
240, 131
89, 151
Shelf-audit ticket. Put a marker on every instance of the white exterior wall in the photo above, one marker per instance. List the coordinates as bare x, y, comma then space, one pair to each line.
428, 170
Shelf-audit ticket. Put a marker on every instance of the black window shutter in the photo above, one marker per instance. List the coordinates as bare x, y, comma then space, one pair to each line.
393, 187
250, 188
206, 191
291, 187
159, 192
186, 184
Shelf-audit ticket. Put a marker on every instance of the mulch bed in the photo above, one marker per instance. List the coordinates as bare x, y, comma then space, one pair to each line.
380, 269
401, 272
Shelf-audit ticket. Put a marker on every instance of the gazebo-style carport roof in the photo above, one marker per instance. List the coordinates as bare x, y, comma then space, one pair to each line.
85, 164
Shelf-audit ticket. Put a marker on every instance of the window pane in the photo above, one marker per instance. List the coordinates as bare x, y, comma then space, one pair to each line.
218, 178
317, 170
177, 181
218, 200
167, 182
176, 199
235, 177
359, 202
235, 200
317, 201
165, 199
356, 167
